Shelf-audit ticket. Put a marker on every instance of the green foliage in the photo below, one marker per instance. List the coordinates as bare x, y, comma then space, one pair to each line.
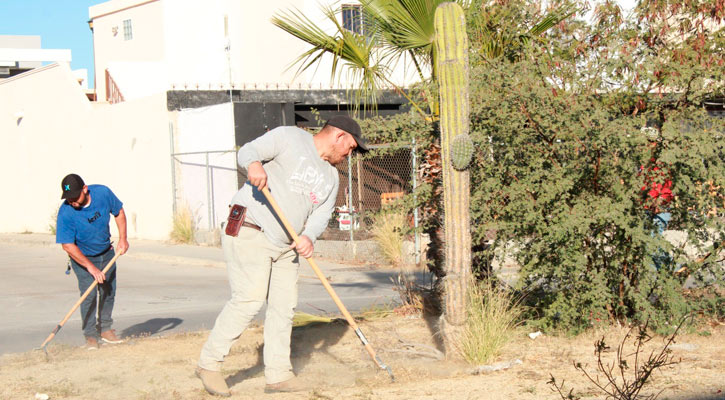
183, 226
562, 159
493, 315
388, 231
567, 162
53, 221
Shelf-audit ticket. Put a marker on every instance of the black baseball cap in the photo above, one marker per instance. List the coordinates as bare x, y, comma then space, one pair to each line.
72, 186
349, 125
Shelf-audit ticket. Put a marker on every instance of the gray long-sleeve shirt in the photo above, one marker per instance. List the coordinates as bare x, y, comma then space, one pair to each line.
304, 185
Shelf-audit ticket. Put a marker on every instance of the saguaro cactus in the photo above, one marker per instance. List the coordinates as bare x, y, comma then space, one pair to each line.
451, 45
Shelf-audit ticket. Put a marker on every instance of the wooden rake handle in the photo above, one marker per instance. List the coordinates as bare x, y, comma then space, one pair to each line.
78, 303
327, 285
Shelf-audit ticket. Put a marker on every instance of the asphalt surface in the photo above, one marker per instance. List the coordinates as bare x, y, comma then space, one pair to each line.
162, 288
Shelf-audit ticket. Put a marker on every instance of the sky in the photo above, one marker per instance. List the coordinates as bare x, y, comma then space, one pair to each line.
61, 24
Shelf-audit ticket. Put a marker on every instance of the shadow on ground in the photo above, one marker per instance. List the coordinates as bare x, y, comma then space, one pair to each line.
151, 327
307, 340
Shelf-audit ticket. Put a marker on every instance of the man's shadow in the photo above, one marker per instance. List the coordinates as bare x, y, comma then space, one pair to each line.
152, 326
316, 337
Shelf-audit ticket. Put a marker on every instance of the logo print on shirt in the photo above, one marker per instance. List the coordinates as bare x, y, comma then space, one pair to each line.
94, 217
309, 180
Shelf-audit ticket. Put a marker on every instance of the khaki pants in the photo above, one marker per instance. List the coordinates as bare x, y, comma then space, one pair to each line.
258, 271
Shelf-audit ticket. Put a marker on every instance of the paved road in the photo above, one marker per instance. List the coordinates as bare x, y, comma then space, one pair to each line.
158, 292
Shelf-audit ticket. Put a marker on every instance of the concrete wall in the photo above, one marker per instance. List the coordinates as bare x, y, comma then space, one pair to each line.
44, 137
20, 42
147, 44
207, 192
188, 40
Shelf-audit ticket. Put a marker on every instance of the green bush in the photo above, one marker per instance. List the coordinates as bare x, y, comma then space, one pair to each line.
492, 316
561, 159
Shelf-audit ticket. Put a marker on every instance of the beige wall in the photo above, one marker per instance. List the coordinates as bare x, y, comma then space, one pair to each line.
146, 45
124, 146
187, 39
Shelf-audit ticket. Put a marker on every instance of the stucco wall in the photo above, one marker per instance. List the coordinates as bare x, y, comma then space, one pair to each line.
124, 146
187, 38
147, 44
207, 192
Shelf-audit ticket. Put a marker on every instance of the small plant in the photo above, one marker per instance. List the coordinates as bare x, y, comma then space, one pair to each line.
53, 220
630, 367
493, 314
183, 227
415, 299
388, 231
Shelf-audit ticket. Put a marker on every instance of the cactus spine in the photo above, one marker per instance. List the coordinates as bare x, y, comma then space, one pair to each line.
451, 46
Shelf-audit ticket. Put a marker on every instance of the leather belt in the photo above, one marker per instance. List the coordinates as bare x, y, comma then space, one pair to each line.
251, 225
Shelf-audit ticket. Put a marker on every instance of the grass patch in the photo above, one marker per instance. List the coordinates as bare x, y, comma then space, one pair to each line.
183, 227
53, 221
388, 231
493, 315
375, 312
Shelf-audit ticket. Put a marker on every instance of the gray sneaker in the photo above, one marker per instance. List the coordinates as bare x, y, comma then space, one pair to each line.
290, 385
213, 382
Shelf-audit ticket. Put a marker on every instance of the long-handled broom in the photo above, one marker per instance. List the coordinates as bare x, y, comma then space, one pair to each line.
75, 306
328, 287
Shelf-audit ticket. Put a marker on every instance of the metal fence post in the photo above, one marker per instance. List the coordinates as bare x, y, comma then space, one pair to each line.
173, 166
208, 191
414, 158
349, 199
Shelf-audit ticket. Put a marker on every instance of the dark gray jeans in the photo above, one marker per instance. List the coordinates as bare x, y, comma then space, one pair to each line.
103, 297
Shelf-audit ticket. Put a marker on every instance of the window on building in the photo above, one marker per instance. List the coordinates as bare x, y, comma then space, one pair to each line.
355, 20
127, 30
352, 17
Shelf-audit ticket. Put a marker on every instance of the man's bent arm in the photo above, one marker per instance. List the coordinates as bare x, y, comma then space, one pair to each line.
121, 224
320, 217
75, 253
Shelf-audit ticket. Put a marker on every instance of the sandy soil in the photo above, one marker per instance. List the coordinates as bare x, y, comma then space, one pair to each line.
331, 358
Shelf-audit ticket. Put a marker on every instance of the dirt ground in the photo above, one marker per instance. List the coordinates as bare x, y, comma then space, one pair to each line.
330, 357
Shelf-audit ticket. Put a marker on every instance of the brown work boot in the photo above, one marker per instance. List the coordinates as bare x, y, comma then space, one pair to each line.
110, 337
213, 382
91, 343
290, 385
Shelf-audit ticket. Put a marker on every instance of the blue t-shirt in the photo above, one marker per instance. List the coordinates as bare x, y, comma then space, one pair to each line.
88, 227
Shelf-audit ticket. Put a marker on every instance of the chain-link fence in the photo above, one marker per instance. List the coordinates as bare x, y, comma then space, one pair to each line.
366, 184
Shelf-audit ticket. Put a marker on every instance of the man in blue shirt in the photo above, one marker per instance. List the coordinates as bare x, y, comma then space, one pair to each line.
83, 230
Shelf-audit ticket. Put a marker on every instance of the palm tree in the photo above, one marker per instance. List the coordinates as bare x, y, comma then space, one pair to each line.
394, 29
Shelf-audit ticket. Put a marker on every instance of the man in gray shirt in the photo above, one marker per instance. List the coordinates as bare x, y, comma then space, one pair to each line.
262, 261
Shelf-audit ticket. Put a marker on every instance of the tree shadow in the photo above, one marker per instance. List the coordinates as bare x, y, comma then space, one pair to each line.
151, 327
315, 337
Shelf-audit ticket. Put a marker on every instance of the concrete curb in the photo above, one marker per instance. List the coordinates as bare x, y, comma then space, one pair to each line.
337, 269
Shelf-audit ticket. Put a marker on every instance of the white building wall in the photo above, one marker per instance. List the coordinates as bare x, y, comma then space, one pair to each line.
109, 45
45, 137
188, 39
206, 191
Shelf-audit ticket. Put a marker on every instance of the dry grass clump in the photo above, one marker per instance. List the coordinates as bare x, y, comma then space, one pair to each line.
183, 227
493, 315
388, 231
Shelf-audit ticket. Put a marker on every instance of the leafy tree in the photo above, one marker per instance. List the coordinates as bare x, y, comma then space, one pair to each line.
562, 159
563, 162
